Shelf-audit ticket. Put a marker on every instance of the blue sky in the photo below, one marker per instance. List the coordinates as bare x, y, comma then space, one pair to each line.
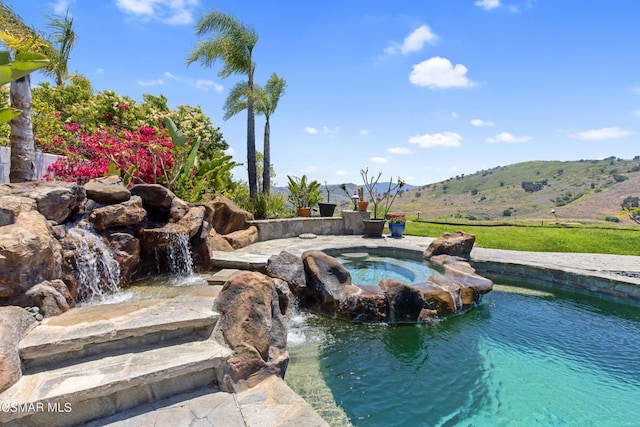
424, 90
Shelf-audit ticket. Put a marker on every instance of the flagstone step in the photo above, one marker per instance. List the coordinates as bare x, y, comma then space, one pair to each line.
99, 388
89, 331
270, 403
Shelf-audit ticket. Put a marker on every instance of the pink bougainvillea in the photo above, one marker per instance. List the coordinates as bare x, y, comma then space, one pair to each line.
148, 150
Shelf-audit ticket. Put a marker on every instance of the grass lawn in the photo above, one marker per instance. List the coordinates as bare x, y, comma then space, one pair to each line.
553, 238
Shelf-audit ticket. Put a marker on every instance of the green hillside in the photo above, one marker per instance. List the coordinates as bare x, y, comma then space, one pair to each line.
584, 190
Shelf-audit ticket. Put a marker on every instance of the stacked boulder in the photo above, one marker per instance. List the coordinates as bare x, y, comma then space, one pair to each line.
322, 285
37, 251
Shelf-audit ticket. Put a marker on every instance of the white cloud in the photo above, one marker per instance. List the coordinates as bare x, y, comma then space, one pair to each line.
230, 151
445, 139
488, 4
155, 82
170, 76
604, 133
636, 113
331, 131
340, 172
439, 72
172, 12
311, 130
479, 123
60, 7
379, 160
100, 70
309, 169
208, 84
364, 132
508, 138
399, 150
413, 42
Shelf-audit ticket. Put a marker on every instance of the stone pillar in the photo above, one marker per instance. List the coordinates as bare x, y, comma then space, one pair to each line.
353, 221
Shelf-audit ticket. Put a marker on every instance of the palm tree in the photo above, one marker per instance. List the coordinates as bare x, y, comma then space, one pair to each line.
266, 103
64, 37
19, 37
233, 43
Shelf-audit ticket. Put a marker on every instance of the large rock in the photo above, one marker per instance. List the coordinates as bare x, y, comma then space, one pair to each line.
15, 322
123, 214
126, 251
11, 206
55, 201
369, 304
51, 297
457, 243
242, 238
178, 209
217, 242
107, 190
288, 267
29, 254
225, 217
156, 199
192, 220
328, 282
166, 236
253, 327
405, 301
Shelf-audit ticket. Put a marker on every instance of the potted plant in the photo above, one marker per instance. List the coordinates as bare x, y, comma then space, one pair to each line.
303, 195
327, 209
396, 224
384, 200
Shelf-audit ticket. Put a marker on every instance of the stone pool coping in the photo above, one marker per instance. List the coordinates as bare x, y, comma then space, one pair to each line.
613, 275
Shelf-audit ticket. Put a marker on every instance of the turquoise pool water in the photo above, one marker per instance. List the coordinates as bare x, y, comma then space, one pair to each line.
369, 268
527, 356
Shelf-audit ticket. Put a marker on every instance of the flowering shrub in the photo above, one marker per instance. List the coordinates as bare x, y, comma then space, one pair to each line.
103, 133
397, 218
146, 153
197, 125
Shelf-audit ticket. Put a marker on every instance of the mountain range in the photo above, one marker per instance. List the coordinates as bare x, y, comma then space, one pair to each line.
580, 191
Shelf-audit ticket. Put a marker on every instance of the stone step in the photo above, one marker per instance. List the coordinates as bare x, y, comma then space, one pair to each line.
220, 278
270, 403
93, 389
90, 331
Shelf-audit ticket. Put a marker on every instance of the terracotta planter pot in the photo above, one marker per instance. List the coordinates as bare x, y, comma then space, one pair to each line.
304, 212
362, 206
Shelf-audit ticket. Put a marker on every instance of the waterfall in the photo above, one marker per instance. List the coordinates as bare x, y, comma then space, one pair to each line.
96, 271
456, 298
176, 256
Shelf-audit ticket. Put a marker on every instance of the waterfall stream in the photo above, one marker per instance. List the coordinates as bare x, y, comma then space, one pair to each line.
176, 257
97, 272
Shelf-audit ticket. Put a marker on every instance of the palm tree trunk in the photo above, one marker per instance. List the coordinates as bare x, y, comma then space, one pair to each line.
251, 144
266, 171
22, 142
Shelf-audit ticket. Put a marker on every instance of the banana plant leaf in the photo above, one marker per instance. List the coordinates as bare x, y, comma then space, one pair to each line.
23, 64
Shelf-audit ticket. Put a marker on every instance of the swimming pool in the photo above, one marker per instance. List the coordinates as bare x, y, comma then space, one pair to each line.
527, 355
